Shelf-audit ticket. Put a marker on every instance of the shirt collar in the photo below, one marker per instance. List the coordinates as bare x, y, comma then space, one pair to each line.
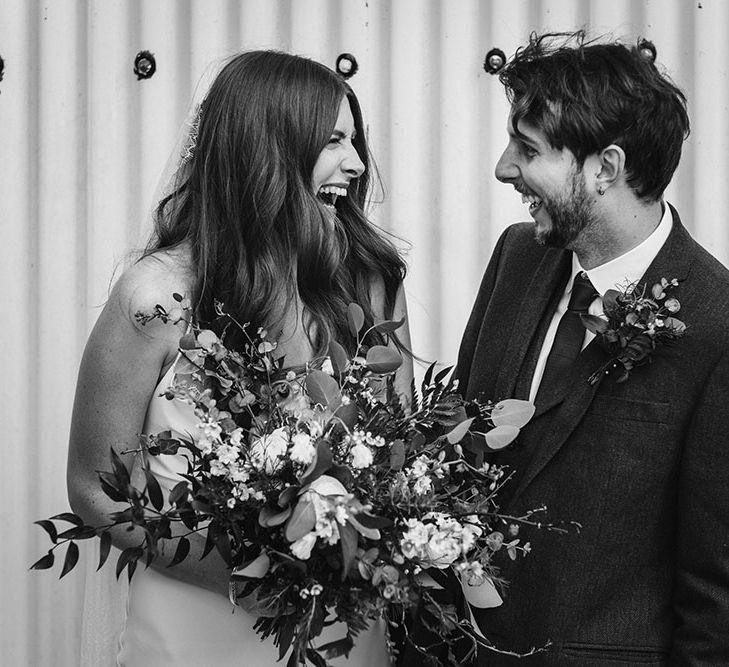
630, 266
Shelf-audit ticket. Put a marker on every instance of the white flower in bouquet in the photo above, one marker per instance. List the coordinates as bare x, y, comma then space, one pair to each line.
420, 466
361, 456
303, 450
267, 451
208, 434
422, 485
302, 547
227, 454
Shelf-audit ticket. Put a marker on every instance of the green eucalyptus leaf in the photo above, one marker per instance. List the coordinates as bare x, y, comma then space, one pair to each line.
339, 357
320, 464
285, 637
428, 377
382, 359
675, 324
78, 533
270, 517
120, 470
109, 485
355, 318
50, 528
337, 648
302, 521
441, 374
501, 436
71, 559
44, 563
181, 552
512, 412
104, 548
457, 434
611, 301
397, 454
179, 493
347, 414
153, 490
256, 569
348, 539
222, 542
593, 323
388, 326
69, 517
126, 558
287, 495
366, 531
323, 389
312, 655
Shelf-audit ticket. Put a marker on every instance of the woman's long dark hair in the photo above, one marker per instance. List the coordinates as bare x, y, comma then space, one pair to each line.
260, 238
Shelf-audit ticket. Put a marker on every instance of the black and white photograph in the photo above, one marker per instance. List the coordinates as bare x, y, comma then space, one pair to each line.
369, 333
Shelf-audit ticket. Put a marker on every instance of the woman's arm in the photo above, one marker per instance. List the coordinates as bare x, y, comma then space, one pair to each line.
121, 366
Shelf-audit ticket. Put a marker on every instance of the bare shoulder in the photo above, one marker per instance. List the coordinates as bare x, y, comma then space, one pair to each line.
148, 283
152, 281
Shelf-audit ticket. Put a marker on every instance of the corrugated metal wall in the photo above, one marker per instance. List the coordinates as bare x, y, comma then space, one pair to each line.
83, 144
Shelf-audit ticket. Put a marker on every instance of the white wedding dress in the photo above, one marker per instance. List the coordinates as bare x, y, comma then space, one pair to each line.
167, 623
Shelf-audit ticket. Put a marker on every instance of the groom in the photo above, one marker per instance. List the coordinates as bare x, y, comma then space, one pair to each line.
595, 134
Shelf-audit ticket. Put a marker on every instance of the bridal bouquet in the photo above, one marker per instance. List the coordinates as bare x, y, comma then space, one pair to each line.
329, 496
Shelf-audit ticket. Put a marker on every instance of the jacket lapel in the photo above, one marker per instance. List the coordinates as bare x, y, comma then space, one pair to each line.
568, 405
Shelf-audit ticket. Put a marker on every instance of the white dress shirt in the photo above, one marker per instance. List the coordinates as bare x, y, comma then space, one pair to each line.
618, 273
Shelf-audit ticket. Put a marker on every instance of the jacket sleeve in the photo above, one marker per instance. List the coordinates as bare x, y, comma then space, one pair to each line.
473, 327
701, 596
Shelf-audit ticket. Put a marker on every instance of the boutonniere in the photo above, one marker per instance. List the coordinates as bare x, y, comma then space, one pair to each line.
635, 322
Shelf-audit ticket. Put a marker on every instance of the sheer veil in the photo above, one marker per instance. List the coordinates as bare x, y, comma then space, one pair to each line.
105, 598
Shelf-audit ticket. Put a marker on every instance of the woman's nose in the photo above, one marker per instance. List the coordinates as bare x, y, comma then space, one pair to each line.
352, 164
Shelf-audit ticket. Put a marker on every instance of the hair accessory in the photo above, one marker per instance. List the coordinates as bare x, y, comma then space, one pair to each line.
188, 148
647, 50
494, 61
233, 593
144, 65
346, 65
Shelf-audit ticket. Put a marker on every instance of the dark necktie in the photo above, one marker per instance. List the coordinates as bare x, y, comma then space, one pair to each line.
569, 337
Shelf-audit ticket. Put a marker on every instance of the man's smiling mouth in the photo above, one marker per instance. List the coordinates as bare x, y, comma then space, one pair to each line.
531, 199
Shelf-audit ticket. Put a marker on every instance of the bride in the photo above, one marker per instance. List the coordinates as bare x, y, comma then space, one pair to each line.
264, 213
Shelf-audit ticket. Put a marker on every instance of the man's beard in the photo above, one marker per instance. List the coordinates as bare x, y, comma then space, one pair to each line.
569, 215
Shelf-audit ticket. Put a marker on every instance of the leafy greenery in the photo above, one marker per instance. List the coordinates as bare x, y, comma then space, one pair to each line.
329, 496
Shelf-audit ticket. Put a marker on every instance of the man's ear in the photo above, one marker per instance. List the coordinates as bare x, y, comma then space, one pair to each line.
610, 167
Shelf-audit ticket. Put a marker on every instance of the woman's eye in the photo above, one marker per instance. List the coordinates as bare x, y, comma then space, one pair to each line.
334, 140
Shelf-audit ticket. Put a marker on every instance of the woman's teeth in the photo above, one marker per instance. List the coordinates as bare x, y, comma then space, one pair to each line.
329, 193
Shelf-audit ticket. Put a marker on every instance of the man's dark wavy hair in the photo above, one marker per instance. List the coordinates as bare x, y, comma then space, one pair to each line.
260, 238
586, 95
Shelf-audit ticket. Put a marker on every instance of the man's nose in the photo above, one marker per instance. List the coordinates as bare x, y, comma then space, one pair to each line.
506, 170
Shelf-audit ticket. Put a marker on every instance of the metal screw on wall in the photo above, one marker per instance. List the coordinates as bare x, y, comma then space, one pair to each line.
648, 50
494, 61
144, 65
346, 65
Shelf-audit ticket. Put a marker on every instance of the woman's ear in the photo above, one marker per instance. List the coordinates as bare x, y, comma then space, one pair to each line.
610, 165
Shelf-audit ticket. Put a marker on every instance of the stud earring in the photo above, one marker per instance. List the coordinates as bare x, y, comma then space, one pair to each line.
600, 190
